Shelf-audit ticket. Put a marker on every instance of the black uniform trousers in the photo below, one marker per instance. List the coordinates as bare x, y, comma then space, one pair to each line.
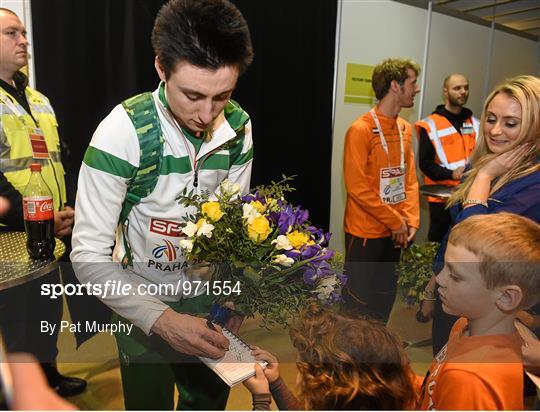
372, 281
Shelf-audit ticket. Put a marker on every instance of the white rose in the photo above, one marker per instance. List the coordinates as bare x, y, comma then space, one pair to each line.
190, 229
283, 260
229, 188
205, 229
326, 286
249, 213
282, 242
186, 244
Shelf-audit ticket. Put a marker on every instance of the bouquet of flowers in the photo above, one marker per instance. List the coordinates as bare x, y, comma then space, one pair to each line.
265, 247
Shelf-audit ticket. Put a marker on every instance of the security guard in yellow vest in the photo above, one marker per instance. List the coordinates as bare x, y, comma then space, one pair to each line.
28, 134
446, 140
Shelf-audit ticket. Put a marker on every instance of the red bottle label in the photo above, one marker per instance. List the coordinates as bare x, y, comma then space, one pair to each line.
38, 208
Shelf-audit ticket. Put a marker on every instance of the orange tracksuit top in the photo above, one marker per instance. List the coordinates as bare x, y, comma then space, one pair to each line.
475, 373
366, 216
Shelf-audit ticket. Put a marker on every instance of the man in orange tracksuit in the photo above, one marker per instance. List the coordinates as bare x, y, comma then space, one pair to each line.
382, 213
446, 139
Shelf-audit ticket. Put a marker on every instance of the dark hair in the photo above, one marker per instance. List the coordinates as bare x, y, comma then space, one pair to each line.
351, 363
205, 33
388, 70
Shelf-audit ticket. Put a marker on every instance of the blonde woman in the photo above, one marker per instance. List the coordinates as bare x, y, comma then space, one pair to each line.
504, 174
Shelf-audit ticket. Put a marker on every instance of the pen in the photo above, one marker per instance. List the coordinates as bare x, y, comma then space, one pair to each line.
211, 326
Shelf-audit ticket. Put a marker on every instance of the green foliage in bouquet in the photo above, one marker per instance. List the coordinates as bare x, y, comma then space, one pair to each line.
264, 245
415, 270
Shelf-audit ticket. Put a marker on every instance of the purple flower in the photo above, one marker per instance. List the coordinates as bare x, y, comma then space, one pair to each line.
320, 237
315, 271
283, 219
335, 297
309, 251
248, 198
300, 216
314, 252
293, 254
288, 217
326, 254
317, 233
251, 197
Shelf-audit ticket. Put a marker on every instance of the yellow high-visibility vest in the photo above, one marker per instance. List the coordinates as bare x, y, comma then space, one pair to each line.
16, 154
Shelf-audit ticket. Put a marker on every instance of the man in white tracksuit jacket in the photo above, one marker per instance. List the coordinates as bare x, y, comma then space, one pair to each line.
201, 48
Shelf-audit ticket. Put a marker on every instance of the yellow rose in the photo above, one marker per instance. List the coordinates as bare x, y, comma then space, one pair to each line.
212, 210
258, 206
298, 239
259, 229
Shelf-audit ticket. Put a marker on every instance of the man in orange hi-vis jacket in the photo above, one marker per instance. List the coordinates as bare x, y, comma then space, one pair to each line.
382, 213
446, 140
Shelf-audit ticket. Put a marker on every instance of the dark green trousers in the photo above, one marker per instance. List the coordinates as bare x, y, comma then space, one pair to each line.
151, 369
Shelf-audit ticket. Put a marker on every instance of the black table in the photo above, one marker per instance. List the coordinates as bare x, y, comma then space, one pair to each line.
440, 191
16, 266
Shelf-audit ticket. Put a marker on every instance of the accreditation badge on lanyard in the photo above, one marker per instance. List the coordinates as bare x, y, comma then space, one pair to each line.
467, 128
36, 136
391, 179
39, 145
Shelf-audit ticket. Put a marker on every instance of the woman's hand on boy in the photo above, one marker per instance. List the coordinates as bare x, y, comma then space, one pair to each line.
257, 384
530, 348
272, 368
531, 357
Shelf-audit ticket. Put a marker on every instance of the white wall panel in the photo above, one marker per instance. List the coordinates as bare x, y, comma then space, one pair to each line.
511, 56
455, 46
371, 30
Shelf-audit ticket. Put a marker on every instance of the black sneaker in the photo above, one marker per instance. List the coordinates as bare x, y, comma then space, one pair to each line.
63, 385
67, 386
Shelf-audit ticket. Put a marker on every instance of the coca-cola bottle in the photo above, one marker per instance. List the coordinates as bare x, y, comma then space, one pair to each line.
38, 211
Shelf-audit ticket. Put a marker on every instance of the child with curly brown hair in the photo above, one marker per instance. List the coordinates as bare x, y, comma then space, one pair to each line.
343, 362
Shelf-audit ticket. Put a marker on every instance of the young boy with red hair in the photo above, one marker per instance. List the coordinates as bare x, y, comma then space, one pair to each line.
492, 272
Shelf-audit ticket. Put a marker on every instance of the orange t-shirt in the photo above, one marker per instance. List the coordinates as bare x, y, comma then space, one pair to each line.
475, 373
366, 215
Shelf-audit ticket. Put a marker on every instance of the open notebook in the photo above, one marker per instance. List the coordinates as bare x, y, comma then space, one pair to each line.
237, 365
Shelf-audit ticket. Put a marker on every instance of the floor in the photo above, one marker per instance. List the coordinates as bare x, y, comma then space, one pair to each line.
96, 360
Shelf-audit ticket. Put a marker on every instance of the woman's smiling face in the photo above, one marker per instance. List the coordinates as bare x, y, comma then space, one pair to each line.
502, 125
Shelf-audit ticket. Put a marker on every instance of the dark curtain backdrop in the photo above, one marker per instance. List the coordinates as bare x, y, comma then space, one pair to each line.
92, 54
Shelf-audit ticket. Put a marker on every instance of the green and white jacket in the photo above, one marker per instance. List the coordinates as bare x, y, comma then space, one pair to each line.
155, 223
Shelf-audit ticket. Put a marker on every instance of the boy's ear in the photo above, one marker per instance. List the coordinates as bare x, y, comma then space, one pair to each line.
510, 298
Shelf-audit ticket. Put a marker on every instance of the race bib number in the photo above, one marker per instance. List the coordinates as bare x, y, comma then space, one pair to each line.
392, 185
38, 208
